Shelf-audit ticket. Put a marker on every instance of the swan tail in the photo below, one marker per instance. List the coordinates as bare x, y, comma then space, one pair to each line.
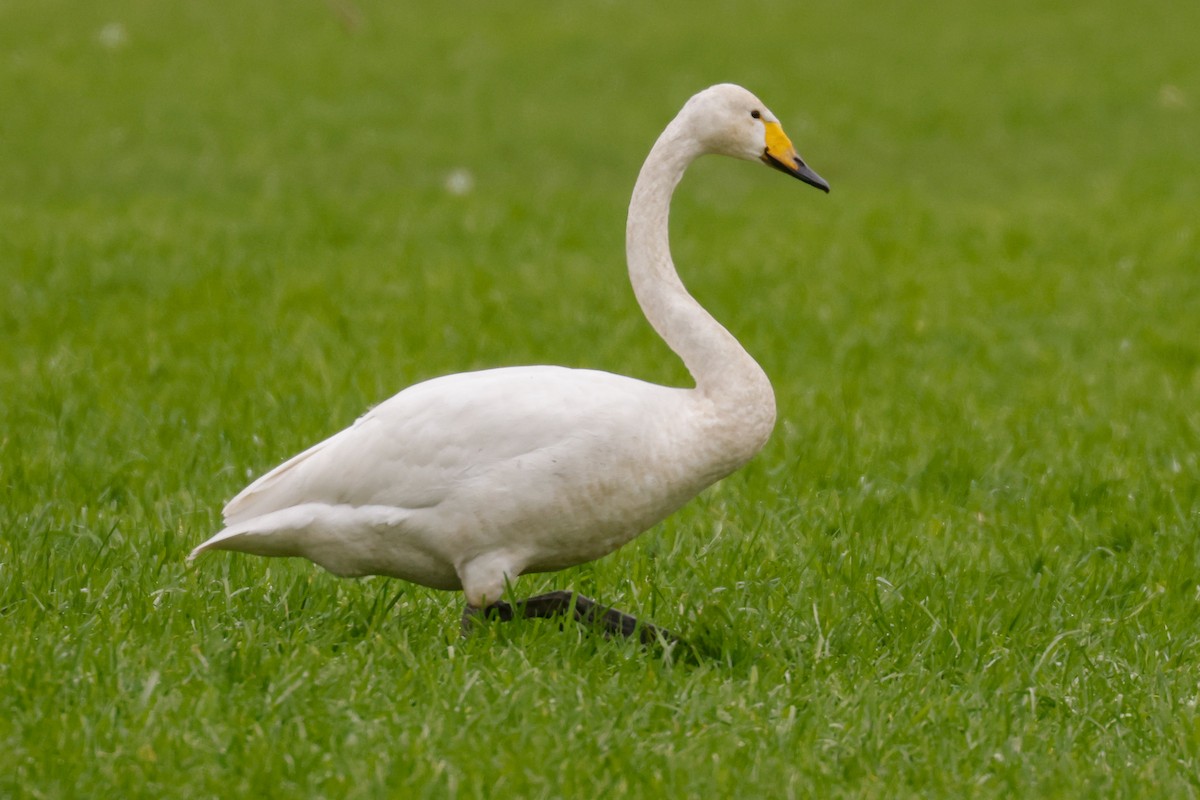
346, 540
275, 534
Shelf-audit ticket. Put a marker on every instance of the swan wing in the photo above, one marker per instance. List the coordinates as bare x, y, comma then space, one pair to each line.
269, 492
413, 450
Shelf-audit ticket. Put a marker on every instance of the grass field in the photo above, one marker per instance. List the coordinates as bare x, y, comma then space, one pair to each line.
966, 564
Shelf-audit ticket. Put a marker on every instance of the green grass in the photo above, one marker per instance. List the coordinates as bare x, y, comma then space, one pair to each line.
965, 565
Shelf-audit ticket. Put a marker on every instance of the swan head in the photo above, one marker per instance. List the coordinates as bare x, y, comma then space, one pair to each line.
728, 120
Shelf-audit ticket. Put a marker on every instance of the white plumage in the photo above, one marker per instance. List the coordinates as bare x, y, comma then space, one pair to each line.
470, 480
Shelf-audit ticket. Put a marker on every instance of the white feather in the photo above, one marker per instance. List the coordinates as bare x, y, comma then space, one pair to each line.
470, 480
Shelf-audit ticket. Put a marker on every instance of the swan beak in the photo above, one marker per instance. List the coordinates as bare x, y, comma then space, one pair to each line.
781, 155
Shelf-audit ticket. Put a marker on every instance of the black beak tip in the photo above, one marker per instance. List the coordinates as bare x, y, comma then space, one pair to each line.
798, 170
811, 178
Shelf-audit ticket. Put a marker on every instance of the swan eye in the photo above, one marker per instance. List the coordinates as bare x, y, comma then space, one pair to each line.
756, 114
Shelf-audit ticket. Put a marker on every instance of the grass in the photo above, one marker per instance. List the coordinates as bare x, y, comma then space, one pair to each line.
965, 565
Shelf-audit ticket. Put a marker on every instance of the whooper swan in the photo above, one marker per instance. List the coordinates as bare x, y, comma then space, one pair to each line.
470, 480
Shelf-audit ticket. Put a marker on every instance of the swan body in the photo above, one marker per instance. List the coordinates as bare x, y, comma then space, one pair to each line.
469, 480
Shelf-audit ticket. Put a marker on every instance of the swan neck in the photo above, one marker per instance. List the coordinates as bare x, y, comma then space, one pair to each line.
722, 369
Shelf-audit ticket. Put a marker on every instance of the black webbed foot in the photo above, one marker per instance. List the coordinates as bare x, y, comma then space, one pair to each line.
585, 610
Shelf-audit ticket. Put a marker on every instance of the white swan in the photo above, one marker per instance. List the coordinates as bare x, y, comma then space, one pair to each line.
470, 480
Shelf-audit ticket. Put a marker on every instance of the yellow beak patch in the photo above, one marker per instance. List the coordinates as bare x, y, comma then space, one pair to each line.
781, 155
779, 146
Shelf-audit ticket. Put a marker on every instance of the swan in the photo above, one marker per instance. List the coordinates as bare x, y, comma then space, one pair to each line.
468, 481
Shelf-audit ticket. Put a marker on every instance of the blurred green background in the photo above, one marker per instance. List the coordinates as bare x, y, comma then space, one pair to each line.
965, 565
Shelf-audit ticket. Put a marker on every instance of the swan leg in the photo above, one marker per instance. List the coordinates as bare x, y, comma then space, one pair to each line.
585, 610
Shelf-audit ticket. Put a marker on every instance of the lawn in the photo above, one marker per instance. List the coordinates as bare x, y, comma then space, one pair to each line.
965, 565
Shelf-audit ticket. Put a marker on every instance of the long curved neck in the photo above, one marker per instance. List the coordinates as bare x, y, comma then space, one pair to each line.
724, 372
